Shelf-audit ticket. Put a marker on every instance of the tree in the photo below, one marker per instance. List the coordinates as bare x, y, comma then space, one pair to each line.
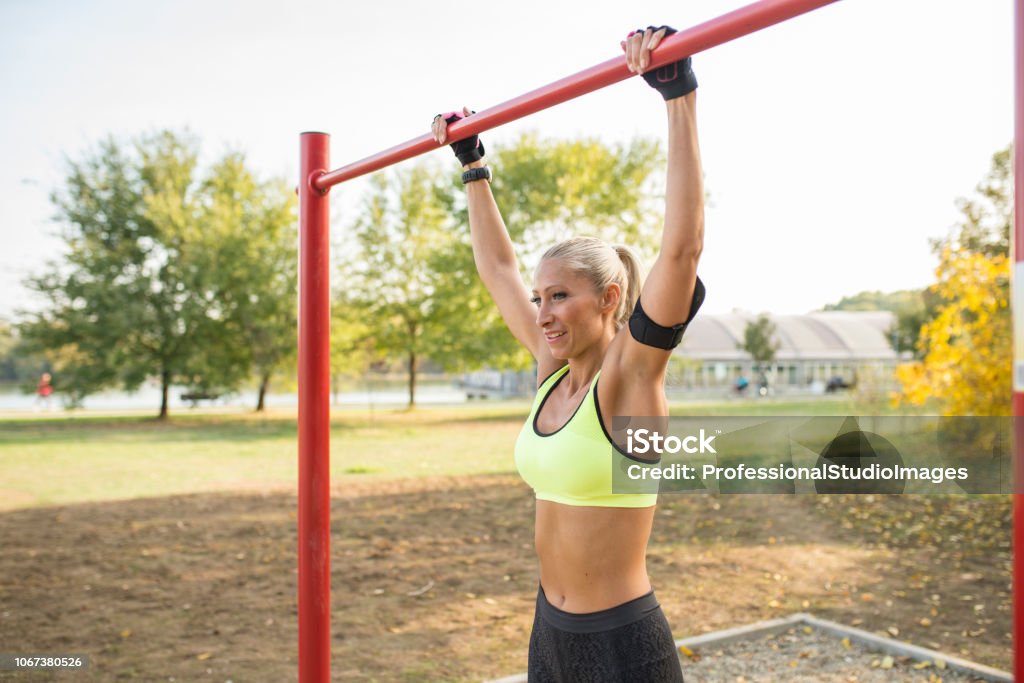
988, 215
912, 308
759, 342
550, 190
149, 286
250, 230
406, 271
353, 347
966, 346
967, 354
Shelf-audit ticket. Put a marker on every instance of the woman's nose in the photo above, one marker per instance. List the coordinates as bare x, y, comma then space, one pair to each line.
543, 314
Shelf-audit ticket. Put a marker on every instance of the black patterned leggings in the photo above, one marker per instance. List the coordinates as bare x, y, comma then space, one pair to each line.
630, 643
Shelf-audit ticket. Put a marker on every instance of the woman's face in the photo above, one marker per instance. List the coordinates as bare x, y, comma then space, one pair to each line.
571, 314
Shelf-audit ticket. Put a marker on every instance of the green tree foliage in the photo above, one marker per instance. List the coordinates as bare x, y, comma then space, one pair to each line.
17, 364
160, 271
549, 190
759, 340
988, 215
249, 228
912, 308
353, 347
407, 272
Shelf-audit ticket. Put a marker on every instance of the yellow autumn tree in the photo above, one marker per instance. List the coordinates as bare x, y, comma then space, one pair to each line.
967, 347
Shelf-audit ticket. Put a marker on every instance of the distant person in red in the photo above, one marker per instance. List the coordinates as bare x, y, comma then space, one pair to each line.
44, 390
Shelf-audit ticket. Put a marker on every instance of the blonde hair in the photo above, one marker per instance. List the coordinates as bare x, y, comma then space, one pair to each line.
603, 264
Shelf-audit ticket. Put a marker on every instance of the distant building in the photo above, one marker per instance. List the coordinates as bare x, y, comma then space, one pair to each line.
813, 348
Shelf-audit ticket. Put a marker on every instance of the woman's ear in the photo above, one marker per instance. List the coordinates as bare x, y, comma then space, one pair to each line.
610, 300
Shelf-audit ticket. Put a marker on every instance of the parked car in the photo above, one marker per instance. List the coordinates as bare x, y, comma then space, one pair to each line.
836, 383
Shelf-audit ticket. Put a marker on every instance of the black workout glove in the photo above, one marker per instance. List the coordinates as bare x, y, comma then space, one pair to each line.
466, 151
672, 80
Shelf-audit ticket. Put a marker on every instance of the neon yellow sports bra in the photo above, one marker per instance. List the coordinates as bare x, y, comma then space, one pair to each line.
574, 464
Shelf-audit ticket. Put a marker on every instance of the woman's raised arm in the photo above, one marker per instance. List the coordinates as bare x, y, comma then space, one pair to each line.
493, 252
672, 293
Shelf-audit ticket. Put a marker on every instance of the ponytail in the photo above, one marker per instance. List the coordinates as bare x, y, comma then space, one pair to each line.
631, 283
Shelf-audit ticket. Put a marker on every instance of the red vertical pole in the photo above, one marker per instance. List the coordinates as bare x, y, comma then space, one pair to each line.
314, 413
1018, 342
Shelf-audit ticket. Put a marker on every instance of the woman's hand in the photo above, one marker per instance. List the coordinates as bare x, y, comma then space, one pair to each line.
672, 80
466, 151
638, 46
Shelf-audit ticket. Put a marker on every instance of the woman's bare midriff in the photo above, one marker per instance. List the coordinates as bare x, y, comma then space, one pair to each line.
592, 558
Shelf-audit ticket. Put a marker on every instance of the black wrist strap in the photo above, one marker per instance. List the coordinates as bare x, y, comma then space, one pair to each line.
481, 173
650, 333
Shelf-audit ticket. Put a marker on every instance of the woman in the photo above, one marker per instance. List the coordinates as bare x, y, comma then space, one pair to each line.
597, 618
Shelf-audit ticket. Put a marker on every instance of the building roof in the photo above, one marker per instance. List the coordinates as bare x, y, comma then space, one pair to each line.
825, 336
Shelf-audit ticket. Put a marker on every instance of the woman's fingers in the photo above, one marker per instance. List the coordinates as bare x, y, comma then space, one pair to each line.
638, 46
655, 38
438, 128
633, 47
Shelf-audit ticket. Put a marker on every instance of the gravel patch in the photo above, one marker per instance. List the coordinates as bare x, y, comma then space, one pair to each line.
806, 655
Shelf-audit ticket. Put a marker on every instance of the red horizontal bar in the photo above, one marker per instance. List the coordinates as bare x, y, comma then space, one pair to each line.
727, 27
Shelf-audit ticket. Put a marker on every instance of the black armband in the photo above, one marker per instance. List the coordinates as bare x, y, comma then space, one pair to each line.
648, 332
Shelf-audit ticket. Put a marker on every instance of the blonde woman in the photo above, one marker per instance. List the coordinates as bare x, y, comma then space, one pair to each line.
602, 340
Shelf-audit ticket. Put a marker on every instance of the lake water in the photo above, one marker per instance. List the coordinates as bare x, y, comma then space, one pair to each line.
148, 398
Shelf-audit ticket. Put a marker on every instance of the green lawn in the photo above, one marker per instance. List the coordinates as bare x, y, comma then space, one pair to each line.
58, 460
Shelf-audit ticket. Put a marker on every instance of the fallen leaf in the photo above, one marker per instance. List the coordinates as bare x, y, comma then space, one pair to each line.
925, 621
125, 633
922, 665
893, 631
887, 662
424, 589
846, 643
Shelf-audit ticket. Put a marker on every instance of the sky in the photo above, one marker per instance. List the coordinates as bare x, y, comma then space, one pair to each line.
834, 145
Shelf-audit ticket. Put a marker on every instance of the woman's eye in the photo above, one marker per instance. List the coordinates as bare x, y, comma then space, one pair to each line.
535, 301
558, 295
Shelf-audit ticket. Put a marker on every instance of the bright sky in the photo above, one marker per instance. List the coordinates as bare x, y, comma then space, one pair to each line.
834, 145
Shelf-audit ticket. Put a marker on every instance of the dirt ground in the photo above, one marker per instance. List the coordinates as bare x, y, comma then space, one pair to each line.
434, 579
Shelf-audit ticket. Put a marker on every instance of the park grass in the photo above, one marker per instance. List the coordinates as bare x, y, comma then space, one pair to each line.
52, 460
